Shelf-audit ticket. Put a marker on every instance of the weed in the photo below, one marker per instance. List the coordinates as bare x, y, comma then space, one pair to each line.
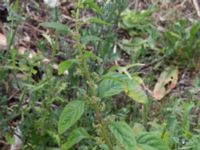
70, 92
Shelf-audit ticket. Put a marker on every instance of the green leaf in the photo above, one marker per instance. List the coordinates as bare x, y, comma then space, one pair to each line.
92, 5
70, 115
65, 65
111, 84
90, 38
134, 90
133, 46
54, 137
90, 55
194, 29
138, 129
148, 141
145, 147
172, 36
124, 134
136, 20
59, 27
76, 136
99, 21
109, 87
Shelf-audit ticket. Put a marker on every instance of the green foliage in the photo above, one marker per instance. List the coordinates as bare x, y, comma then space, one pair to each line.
148, 141
181, 43
180, 134
65, 65
70, 115
59, 27
85, 94
104, 23
99, 21
111, 84
142, 31
91, 4
76, 136
123, 133
134, 90
136, 22
114, 83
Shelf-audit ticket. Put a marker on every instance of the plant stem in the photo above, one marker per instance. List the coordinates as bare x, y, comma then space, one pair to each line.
77, 15
97, 112
56, 46
145, 114
90, 83
106, 136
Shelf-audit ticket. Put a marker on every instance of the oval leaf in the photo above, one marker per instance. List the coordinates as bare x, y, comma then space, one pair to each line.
76, 136
70, 115
167, 81
134, 90
111, 84
124, 134
110, 87
148, 141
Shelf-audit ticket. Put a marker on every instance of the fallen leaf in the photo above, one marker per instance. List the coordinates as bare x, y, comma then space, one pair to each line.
167, 81
3, 42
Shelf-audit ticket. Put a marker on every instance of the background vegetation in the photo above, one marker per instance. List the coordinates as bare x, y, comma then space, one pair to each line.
99, 75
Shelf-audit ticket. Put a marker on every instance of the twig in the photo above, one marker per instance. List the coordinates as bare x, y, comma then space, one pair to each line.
136, 4
196, 5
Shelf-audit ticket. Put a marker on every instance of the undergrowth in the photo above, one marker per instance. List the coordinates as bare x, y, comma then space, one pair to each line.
92, 91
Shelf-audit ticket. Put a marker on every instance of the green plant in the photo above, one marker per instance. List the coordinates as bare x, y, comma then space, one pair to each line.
180, 133
181, 43
143, 33
88, 101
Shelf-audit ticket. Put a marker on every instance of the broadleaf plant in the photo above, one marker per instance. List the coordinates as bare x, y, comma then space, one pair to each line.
115, 83
124, 134
148, 141
70, 115
75, 136
79, 74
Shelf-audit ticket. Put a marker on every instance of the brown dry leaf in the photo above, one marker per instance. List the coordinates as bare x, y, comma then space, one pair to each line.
3, 42
167, 81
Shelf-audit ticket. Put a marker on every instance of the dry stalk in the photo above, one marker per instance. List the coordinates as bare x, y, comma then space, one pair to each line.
196, 5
